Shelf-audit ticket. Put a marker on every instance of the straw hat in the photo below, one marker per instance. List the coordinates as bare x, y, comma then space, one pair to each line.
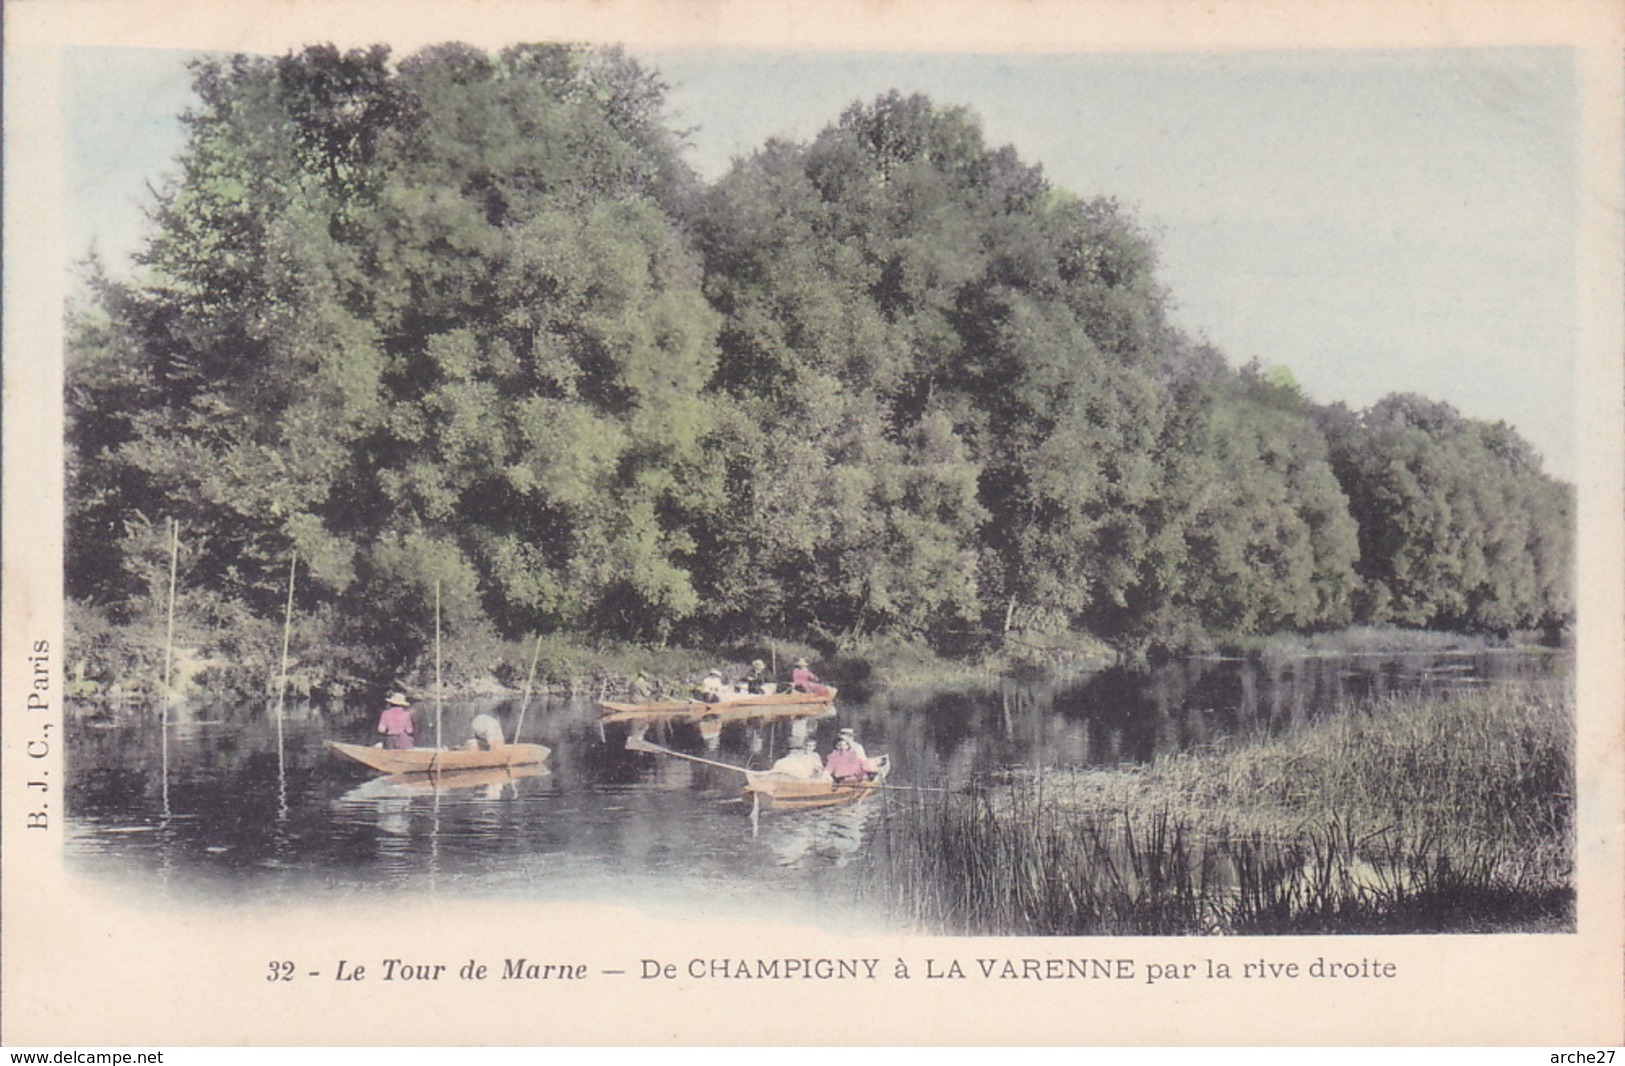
801, 662
398, 699
758, 665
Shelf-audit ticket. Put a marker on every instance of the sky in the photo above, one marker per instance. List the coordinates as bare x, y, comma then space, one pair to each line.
1375, 221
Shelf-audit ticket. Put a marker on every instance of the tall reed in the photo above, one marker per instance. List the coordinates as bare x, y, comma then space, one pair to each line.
1411, 815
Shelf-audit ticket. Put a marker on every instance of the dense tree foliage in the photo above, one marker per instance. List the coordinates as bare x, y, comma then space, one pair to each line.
1459, 529
467, 322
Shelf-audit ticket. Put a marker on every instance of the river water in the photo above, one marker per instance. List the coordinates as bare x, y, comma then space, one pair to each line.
230, 806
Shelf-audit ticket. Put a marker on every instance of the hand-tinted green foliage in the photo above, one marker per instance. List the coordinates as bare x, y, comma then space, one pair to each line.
1255, 534
467, 323
851, 493
1459, 529
426, 320
930, 289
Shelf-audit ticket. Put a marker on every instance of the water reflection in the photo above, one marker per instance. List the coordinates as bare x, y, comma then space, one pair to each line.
238, 802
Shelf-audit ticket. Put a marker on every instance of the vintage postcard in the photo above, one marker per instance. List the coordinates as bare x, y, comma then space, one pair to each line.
819, 523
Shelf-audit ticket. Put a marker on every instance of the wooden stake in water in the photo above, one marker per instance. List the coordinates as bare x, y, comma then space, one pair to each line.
169, 645
529, 682
169, 632
437, 666
287, 629
282, 691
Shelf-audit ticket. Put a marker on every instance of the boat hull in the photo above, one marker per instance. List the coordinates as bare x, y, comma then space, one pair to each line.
441, 760
784, 793
740, 708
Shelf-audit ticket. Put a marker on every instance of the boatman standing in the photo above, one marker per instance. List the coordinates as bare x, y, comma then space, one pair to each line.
396, 723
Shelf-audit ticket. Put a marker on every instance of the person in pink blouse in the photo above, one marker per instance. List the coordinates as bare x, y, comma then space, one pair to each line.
846, 765
804, 680
396, 724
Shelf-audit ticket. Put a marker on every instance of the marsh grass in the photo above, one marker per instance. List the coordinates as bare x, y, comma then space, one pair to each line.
1449, 814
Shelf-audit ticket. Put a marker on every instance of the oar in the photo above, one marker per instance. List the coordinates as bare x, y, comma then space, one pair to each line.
644, 745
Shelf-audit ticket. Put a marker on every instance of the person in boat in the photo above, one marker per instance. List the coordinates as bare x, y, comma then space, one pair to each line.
710, 690
850, 735
804, 680
845, 764
755, 681
487, 733
395, 723
642, 690
802, 761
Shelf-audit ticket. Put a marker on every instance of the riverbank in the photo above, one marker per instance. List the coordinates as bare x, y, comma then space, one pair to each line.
239, 659
113, 663
1411, 815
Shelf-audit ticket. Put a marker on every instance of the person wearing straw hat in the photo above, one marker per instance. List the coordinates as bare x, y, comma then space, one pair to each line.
396, 723
801, 760
804, 680
850, 735
710, 689
755, 684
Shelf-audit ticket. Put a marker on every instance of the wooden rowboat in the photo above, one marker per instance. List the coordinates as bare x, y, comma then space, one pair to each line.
779, 791
738, 708
441, 760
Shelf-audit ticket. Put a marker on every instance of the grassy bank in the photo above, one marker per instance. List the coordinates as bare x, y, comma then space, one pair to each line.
1444, 815
1373, 640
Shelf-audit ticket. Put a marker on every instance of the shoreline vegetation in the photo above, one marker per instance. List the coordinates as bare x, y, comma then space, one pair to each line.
1404, 815
109, 664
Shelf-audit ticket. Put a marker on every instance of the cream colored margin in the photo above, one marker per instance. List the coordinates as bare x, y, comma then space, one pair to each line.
81, 968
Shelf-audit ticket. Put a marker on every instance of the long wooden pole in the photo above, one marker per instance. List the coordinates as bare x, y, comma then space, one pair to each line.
169, 632
282, 692
169, 645
644, 745
529, 682
287, 630
437, 666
